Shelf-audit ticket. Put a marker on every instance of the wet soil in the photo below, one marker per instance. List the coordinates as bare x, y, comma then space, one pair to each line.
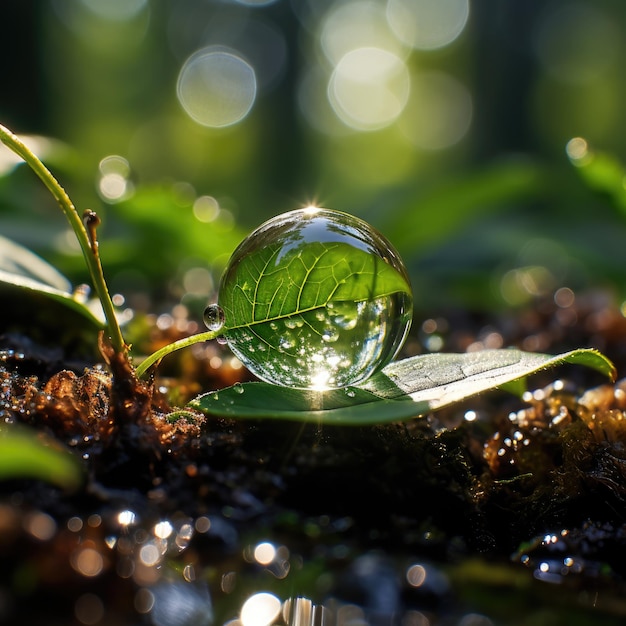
496, 511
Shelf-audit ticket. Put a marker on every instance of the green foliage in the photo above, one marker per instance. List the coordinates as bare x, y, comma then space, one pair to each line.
161, 218
25, 454
402, 390
25, 275
445, 207
277, 281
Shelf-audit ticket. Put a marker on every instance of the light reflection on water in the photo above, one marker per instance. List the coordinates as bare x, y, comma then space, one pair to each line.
199, 572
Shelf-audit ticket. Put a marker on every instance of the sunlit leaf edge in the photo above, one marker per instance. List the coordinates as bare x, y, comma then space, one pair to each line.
19, 282
380, 400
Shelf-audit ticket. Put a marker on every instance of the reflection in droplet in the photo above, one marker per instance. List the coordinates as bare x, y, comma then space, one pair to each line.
214, 317
216, 87
335, 263
427, 24
369, 88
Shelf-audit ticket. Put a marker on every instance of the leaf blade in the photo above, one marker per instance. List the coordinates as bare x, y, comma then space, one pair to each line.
401, 391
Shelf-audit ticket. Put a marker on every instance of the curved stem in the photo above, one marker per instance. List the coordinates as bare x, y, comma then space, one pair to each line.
93, 262
155, 357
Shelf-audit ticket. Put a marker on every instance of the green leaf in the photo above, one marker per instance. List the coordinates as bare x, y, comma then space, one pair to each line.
27, 279
445, 207
403, 390
270, 287
25, 454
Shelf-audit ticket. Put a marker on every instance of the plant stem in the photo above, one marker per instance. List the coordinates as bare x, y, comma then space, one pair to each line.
155, 357
93, 261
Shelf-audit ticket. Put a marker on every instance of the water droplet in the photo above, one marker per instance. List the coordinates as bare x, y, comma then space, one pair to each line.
214, 317
238, 388
333, 291
330, 335
222, 340
350, 392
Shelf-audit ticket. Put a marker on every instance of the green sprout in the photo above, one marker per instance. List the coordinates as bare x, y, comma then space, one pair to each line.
296, 298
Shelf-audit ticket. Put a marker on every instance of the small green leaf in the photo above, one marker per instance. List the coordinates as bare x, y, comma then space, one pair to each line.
25, 454
27, 279
402, 390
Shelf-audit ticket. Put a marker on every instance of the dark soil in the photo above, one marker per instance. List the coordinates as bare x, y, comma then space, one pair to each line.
497, 510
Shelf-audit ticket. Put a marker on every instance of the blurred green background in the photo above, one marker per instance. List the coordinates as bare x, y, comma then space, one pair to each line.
483, 139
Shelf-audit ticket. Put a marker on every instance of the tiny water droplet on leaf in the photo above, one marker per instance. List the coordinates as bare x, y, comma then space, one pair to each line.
214, 317
327, 295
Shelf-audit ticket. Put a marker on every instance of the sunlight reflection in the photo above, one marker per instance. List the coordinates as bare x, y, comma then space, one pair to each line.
577, 150
356, 24
216, 87
369, 88
261, 609
113, 183
319, 381
427, 24
264, 553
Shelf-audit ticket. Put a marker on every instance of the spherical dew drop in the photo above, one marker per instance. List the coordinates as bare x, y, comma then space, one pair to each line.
332, 300
214, 317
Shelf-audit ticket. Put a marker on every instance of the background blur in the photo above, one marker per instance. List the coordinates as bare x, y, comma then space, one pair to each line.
484, 139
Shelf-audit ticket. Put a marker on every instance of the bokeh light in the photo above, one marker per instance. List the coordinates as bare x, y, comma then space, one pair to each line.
427, 24
113, 181
351, 25
260, 609
216, 87
369, 88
